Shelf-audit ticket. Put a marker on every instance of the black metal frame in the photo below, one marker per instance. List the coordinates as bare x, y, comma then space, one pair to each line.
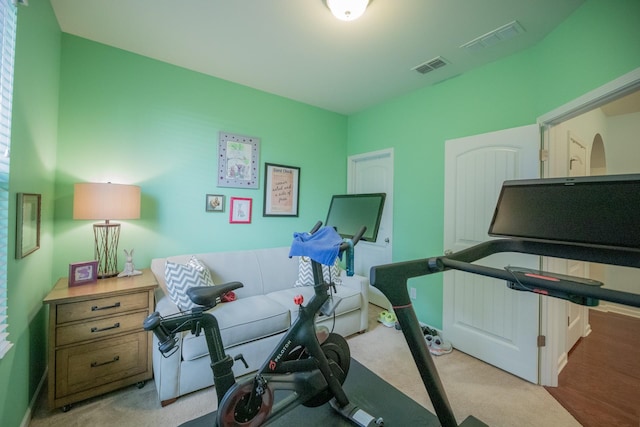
392, 279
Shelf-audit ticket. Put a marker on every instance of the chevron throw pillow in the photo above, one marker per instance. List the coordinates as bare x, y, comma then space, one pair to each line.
305, 272
180, 278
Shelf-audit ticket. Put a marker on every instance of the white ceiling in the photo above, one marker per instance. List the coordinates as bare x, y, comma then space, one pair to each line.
298, 50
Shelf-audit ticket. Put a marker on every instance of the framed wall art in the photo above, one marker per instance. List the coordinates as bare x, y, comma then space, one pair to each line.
81, 273
281, 190
238, 161
27, 224
240, 210
214, 203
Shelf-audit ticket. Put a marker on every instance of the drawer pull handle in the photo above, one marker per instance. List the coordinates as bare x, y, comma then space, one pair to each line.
96, 364
96, 308
115, 326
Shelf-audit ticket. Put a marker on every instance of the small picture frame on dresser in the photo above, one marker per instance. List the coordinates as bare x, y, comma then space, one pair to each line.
82, 273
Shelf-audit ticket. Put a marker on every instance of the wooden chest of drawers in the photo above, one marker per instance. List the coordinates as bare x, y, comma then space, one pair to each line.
96, 340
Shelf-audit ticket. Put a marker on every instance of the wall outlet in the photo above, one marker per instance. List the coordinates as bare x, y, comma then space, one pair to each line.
412, 293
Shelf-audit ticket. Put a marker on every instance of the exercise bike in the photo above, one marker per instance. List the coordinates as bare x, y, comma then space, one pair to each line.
310, 364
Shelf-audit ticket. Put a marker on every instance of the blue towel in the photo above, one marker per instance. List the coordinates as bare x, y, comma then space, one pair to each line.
322, 246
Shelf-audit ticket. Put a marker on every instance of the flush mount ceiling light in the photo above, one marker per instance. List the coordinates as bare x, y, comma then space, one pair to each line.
347, 10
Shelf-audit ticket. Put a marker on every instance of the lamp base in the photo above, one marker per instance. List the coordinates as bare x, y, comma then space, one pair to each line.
106, 248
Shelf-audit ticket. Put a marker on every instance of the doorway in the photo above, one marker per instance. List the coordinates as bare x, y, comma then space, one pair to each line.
373, 173
605, 122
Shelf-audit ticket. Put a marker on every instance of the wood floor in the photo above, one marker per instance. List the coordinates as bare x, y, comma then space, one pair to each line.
600, 386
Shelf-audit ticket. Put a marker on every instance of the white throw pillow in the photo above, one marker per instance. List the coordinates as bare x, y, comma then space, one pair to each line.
180, 278
305, 272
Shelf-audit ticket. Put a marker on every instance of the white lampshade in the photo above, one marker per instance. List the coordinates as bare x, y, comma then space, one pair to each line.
106, 201
347, 10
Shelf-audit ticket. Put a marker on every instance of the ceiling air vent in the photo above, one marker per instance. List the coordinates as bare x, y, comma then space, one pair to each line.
494, 37
430, 65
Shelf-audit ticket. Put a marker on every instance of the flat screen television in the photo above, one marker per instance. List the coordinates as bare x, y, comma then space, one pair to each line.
348, 212
595, 210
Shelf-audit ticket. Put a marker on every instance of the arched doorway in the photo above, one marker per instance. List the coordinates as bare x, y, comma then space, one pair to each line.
598, 160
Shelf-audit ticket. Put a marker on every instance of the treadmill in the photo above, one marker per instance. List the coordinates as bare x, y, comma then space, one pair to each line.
592, 219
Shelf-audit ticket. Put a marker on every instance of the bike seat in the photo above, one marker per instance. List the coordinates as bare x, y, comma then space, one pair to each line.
209, 296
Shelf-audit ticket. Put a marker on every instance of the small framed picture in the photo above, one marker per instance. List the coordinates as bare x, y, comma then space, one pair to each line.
215, 203
240, 210
28, 224
81, 273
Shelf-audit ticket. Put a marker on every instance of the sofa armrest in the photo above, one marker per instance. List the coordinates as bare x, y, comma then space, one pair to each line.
166, 370
360, 284
356, 282
164, 305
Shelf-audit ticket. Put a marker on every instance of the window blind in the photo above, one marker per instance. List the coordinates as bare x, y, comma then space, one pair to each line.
8, 20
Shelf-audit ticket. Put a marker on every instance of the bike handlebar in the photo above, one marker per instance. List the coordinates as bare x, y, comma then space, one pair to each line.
355, 239
316, 227
344, 245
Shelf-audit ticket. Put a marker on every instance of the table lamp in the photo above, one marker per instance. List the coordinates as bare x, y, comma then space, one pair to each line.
106, 202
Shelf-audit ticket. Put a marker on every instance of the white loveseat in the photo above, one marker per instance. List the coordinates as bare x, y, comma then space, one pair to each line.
254, 323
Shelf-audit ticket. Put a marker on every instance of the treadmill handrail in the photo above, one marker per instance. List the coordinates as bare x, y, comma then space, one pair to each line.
390, 276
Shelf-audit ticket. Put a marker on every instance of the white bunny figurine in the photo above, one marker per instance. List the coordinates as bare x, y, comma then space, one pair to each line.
129, 269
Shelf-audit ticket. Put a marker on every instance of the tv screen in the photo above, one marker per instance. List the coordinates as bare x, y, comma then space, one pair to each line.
349, 212
598, 210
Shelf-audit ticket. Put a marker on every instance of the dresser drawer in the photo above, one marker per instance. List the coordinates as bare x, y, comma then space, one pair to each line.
99, 328
88, 366
101, 307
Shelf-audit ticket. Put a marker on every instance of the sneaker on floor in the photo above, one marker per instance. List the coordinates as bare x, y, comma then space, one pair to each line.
387, 319
428, 331
429, 339
438, 346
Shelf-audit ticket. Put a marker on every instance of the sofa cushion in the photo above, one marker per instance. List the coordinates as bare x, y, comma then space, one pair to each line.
246, 319
305, 272
351, 299
182, 277
235, 266
277, 269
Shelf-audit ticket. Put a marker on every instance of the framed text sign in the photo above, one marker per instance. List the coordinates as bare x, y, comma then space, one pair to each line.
281, 190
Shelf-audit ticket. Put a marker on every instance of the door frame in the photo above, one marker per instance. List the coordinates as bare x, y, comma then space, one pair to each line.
553, 356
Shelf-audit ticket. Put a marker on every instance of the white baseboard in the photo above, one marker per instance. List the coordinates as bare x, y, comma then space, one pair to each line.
562, 361
618, 309
26, 420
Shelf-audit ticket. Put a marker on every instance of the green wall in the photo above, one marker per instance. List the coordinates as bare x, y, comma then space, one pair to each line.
129, 119
33, 163
87, 112
596, 44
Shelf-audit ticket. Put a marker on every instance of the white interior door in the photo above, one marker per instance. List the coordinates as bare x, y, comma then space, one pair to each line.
577, 315
481, 316
373, 173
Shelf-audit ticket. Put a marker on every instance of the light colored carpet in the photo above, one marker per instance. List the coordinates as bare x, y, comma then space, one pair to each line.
473, 387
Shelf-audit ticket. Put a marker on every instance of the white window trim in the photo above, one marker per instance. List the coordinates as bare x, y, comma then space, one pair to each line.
8, 22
